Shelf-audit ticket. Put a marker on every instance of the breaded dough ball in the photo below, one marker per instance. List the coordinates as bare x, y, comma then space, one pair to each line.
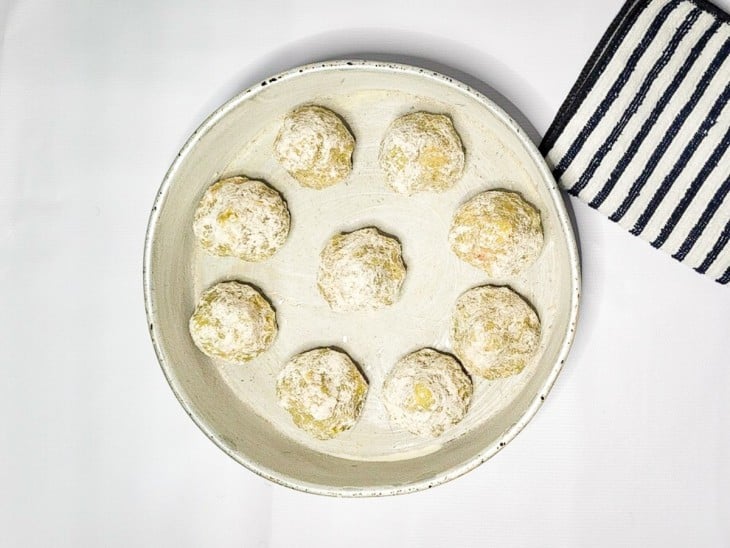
323, 391
427, 392
233, 322
242, 218
315, 147
420, 152
361, 270
498, 232
494, 332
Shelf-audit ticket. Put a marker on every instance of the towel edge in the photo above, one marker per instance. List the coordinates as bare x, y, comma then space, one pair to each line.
600, 55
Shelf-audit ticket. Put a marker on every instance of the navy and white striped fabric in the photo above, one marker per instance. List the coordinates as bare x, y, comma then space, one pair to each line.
644, 134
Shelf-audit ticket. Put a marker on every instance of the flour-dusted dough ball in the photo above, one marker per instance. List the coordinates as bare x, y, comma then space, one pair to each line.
494, 332
426, 392
315, 147
242, 218
361, 270
498, 232
233, 322
420, 152
323, 391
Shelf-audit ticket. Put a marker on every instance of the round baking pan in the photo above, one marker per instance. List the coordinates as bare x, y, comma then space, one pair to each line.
235, 405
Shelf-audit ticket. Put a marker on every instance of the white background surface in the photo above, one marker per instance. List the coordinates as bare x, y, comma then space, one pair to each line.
632, 446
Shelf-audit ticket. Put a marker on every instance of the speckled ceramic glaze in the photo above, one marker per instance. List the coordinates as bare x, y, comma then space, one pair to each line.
236, 405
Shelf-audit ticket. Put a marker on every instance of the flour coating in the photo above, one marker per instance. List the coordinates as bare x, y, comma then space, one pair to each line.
233, 322
361, 270
427, 392
242, 218
494, 331
421, 152
498, 232
315, 147
323, 391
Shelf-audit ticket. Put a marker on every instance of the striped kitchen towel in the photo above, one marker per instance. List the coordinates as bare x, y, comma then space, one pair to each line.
643, 135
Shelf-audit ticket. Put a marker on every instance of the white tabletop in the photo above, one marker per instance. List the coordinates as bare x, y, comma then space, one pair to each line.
632, 446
